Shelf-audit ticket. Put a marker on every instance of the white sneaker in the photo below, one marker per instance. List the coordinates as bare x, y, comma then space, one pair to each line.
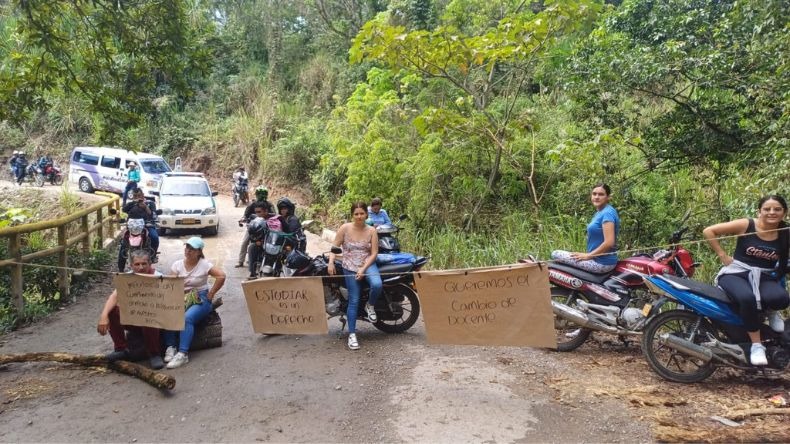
776, 322
371, 312
169, 353
758, 355
352, 341
178, 360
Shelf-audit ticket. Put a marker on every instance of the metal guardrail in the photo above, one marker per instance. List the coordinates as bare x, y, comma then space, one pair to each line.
16, 259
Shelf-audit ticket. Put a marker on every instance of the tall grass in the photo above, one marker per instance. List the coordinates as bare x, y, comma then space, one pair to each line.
511, 239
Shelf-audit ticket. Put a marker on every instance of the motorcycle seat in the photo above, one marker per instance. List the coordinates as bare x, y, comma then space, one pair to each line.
701, 288
395, 268
581, 274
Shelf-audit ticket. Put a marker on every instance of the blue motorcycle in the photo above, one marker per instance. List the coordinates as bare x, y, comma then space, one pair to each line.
703, 332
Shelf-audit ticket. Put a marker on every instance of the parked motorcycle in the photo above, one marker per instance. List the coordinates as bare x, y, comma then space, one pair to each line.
33, 175
687, 345
616, 302
388, 240
241, 192
52, 174
397, 309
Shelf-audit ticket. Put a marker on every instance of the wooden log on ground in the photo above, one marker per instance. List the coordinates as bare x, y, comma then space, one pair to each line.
154, 378
739, 415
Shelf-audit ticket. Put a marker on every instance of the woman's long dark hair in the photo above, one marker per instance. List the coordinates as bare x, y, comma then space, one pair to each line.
784, 233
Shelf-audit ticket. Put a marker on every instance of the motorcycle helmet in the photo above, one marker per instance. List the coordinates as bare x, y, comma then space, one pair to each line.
297, 260
257, 228
261, 193
284, 202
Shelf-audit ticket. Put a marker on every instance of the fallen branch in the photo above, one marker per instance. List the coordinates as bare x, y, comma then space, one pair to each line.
743, 414
156, 379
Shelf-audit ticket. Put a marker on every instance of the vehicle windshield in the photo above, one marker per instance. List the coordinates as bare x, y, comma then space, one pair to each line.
185, 188
155, 166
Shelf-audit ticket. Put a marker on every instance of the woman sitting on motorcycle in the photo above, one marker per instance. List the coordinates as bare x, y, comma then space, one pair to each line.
752, 275
602, 231
360, 245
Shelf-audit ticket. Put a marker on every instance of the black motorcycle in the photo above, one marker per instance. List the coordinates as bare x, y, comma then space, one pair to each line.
397, 309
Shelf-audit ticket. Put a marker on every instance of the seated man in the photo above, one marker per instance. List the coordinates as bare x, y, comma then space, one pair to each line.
258, 224
139, 208
110, 320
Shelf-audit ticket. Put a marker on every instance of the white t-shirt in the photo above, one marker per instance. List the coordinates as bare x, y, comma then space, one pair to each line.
196, 278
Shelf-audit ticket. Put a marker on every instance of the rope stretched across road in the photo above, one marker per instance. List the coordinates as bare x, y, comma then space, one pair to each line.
540, 262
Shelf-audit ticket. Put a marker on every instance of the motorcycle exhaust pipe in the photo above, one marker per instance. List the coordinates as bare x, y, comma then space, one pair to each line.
686, 347
579, 318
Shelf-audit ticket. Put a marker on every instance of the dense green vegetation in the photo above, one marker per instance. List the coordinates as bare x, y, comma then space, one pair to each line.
486, 121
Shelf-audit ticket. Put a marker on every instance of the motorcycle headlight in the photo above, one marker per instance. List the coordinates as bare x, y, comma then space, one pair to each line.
211, 210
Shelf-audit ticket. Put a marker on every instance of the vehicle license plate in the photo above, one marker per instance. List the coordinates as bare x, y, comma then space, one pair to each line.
189, 221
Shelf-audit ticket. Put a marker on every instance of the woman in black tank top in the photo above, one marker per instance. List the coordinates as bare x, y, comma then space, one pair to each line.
762, 245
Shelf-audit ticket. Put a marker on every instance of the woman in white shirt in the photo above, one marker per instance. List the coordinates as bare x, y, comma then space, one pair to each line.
195, 270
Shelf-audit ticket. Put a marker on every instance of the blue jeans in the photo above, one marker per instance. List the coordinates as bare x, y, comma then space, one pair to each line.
193, 316
154, 236
354, 290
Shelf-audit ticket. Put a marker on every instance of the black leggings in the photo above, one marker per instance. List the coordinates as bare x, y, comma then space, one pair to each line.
738, 288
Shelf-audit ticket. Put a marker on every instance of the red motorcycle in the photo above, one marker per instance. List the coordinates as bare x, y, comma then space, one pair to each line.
616, 302
53, 174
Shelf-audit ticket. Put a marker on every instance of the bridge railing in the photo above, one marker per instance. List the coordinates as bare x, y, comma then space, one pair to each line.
93, 219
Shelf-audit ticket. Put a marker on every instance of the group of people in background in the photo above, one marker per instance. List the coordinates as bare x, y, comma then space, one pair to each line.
753, 276
19, 165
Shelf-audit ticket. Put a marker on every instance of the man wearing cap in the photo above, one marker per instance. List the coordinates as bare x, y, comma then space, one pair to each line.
133, 178
110, 321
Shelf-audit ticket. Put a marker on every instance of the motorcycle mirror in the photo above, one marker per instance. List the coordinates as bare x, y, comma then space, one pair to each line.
403, 217
336, 250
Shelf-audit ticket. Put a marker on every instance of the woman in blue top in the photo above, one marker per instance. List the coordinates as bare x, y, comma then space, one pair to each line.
602, 231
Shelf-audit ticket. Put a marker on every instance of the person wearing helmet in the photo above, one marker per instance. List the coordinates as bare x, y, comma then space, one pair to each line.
261, 193
21, 167
12, 164
291, 224
240, 173
256, 229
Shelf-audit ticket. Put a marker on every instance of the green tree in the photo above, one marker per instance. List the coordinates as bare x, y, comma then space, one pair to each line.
692, 80
486, 74
117, 55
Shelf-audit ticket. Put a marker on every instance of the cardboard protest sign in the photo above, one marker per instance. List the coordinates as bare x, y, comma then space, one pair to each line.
150, 301
488, 306
286, 305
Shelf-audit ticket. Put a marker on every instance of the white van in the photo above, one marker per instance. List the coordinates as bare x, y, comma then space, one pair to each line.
106, 169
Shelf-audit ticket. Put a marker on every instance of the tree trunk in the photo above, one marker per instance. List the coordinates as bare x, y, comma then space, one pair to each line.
156, 379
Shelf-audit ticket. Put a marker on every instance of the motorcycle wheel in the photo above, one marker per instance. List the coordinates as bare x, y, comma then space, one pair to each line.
569, 335
57, 180
672, 364
410, 309
235, 199
39, 179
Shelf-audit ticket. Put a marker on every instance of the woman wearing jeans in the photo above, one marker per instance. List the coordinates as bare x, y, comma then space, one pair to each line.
360, 245
195, 270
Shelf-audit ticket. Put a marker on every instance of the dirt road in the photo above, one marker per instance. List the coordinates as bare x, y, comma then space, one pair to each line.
295, 388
